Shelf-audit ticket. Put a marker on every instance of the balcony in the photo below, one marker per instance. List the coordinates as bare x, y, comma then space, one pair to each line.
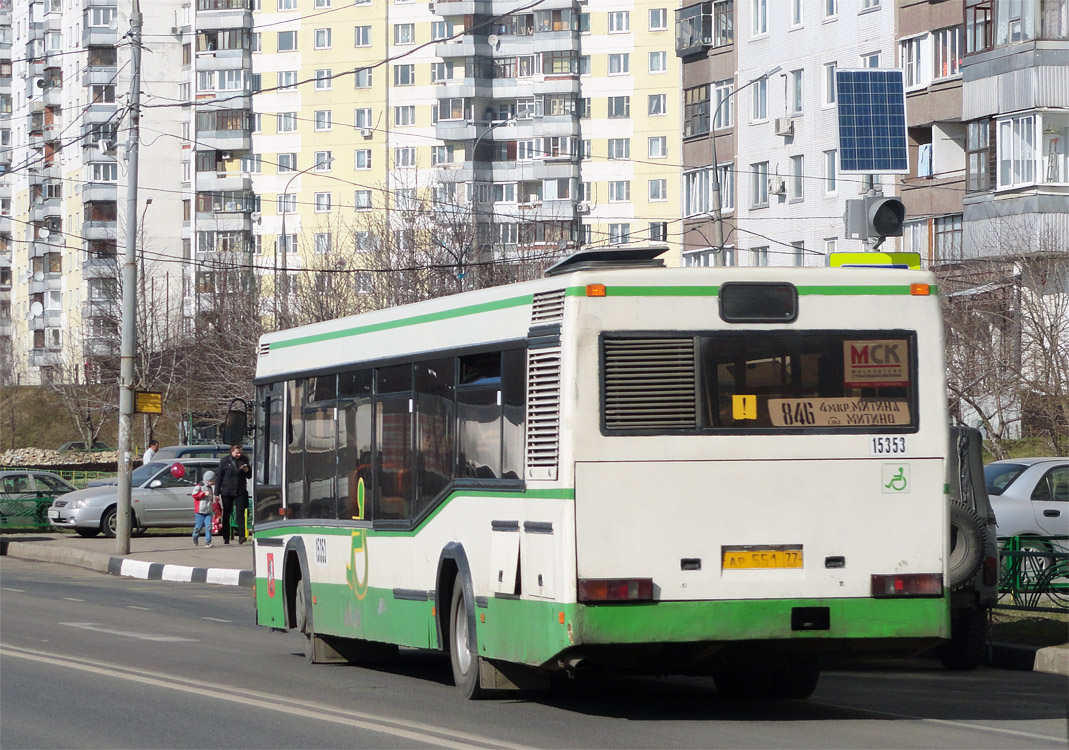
99, 268
53, 96
100, 113
453, 8
100, 191
45, 357
224, 14
211, 182
224, 140
457, 130
99, 75
99, 230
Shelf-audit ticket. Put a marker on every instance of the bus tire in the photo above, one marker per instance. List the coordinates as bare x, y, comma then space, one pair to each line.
968, 539
968, 640
465, 662
303, 620
796, 679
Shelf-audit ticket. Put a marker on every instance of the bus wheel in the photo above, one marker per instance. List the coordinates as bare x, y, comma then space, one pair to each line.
465, 663
304, 621
797, 679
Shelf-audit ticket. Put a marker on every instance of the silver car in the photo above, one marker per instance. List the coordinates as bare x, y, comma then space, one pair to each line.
1030, 496
158, 499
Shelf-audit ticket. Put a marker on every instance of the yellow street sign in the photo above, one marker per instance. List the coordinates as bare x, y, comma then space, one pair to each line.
146, 402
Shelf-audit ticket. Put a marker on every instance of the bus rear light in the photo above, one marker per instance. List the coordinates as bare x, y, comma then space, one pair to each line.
615, 589
920, 290
907, 584
595, 290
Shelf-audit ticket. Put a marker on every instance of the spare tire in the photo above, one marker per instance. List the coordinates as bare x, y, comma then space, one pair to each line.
968, 539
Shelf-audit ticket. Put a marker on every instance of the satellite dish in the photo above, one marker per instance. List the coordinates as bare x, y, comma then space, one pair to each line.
493, 40
39, 276
36, 309
43, 233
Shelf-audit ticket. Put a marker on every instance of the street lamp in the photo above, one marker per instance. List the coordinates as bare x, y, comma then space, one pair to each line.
718, 217
282, 245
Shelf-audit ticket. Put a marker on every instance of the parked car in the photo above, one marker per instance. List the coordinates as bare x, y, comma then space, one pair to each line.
22, 492
75, 446
158, 499
174, 452
1030, 496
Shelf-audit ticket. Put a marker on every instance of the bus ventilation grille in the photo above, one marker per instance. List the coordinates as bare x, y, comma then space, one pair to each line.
547, 307
650, 384
265, 349
543, 412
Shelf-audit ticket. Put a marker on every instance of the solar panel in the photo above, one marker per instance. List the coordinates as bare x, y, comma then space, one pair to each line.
872, 121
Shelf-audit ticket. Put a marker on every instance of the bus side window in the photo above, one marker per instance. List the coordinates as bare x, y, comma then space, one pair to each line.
514, 396
354, 445
393, 442
479, 416
435, 429
295, 450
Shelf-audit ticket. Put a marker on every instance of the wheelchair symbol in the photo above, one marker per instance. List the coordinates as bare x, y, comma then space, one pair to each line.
898, 481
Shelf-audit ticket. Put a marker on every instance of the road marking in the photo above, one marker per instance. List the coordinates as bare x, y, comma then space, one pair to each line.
72, 599
216, 619
8, 588
947, 722
410, 731
127, 633
143, 609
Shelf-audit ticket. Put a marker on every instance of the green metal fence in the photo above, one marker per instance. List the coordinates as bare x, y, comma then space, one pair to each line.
1034, 573
25, 513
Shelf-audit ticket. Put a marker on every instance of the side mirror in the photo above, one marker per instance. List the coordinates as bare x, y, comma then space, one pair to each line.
236, 424
155, 483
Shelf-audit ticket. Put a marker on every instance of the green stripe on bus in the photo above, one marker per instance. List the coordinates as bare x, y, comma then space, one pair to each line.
315, 338
566, 493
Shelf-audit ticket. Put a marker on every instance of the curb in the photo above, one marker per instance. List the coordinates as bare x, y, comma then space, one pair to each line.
123, 566
1051, 659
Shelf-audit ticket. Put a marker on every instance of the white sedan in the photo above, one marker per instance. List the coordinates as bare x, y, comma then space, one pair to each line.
1030, 496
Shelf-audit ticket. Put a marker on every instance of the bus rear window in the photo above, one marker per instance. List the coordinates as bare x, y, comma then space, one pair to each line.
852, 381
800, 380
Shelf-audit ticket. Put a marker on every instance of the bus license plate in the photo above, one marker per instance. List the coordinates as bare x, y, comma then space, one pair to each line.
742, 558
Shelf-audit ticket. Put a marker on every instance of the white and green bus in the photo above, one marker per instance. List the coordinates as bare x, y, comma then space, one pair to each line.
622, 466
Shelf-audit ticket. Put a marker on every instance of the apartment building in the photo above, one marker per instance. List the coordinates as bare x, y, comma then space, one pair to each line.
520, 132
64, 78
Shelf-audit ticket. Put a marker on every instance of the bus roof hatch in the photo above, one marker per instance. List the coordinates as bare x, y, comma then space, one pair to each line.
617, 257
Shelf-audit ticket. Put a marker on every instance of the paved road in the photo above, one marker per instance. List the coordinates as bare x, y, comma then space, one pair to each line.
88, 660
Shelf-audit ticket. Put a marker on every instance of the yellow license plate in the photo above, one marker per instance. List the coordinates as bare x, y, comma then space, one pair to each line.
741, 558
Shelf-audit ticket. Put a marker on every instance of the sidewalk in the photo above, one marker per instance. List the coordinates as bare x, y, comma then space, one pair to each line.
167, 558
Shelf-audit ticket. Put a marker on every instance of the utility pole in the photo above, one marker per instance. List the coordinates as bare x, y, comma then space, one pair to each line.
129, 291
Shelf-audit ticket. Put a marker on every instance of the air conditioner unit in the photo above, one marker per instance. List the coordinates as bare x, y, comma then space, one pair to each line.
777, 185
366, 132
785, 126
583, 207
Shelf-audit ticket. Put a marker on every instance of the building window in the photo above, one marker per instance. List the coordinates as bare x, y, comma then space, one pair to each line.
322, 38
696, 192
287, 41
759, 17
619, 191
619, 107
797, 96
363, 158
362, 200
362, 118
443, 155
1016, 151
322, 202
657, 105
725, 109
759, 111
658, 231
696, 110
830, 172
404, 75
322, 242
286, 163
104, 171
796, 13
658, 190
323, 119
658, 19
441, 30
910, 53
979, 155
978, 26
619, 148
441, 71
323, 79
870, 60
619, 22
759, 256
287, 4
286, 204
657, 147
287, 80
286, 122
829, 84
831, 9
404, 116
831, 244
323, 161
798, 253
947, 230
870, 4
404, 33
363, 36
726, 174
797, 189
759, 184
404, 157
362, 78
619, 234
947, 52
619, 64
658, 62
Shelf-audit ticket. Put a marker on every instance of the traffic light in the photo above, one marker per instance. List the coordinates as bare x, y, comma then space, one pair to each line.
874, 217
